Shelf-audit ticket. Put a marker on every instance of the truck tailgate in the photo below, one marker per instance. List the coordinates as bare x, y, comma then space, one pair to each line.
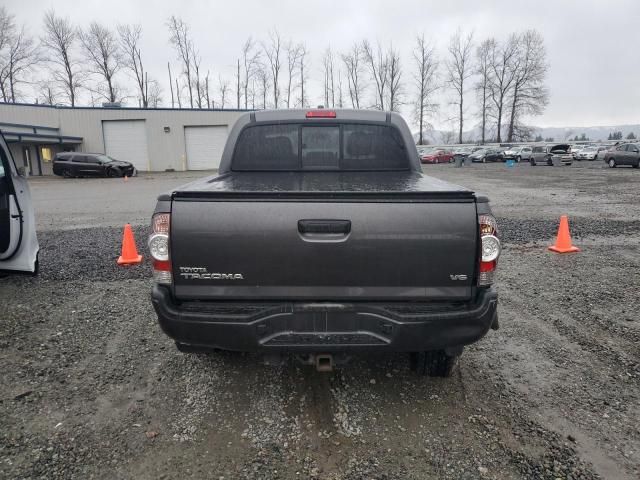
327, 248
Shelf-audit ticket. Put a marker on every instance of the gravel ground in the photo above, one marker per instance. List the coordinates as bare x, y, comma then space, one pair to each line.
92, 389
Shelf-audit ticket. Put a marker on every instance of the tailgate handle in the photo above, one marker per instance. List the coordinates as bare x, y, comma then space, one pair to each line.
324, 227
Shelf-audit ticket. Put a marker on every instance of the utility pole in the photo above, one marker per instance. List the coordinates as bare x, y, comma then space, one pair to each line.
238, 91
171, 85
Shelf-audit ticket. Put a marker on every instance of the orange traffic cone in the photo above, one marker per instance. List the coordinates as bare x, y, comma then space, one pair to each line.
129, 251
563, 241
126, 178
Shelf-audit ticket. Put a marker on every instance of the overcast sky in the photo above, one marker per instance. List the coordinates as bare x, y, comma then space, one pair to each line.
592, 45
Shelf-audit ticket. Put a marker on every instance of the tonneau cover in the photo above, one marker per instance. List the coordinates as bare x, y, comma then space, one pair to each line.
313, 183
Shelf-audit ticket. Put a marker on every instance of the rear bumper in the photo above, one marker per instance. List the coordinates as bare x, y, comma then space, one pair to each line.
325, 327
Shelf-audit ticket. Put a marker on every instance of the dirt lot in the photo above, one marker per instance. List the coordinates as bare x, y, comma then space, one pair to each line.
92, 389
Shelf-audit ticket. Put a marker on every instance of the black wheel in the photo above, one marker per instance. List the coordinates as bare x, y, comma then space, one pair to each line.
532, 162
612, 163
550, 162
637, 164
484, 159
113, 173
433, 364
66, 173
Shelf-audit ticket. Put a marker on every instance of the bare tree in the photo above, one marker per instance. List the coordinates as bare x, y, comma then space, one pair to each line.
7, 27
528, 95
340, 92
302, 100
181, 41
353, 64
425, 77
328, 76
102, 54
47, 93
448, 136
18, 57
59, 38
153, 93
459, 71
504, 65
251, 64
483, 85
223, 89
377, 62
263, 82
293, 58
273, 53
394, 71
130, 38
196, 82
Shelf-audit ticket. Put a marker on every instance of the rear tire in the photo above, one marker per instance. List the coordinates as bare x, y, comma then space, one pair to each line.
66, 173
612, 163
433, 363
532, 162
550, 162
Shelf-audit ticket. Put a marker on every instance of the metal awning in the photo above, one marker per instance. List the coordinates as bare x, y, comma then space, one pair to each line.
36, 134
34, 138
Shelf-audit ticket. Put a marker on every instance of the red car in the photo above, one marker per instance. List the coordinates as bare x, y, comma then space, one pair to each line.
437, 156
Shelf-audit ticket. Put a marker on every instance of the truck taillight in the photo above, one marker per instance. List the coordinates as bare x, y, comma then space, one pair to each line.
321, 114
489, 249
159, 248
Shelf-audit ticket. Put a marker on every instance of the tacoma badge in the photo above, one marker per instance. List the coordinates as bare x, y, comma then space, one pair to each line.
201, 273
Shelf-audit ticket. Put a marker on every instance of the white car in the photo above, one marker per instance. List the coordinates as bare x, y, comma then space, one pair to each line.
18, 241
589, 153
576, 149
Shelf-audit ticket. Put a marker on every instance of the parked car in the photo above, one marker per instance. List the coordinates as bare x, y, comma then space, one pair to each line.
519, 152
487, 155
330, 192
18, 240
588, 153
576, 149
437, 156
552, 155
462, 153
624, 154
80, 164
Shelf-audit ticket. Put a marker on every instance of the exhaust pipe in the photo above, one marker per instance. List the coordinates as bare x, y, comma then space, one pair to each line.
324, 362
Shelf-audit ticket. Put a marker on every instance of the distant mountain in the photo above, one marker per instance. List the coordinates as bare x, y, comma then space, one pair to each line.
559, 134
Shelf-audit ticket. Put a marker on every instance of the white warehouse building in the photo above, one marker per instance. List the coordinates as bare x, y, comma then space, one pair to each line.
154, 139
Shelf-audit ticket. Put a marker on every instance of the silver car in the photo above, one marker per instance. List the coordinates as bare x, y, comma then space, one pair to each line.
551, 155
519, 152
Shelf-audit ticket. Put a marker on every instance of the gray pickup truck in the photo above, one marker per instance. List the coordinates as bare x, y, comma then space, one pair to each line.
321, 237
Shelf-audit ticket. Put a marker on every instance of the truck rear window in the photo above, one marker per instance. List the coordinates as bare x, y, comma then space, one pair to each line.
295, 147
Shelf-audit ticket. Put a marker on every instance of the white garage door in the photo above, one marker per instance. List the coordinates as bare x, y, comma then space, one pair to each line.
126, 140
204, 146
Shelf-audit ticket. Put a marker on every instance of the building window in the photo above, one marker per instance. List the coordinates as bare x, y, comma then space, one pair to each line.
47, 154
